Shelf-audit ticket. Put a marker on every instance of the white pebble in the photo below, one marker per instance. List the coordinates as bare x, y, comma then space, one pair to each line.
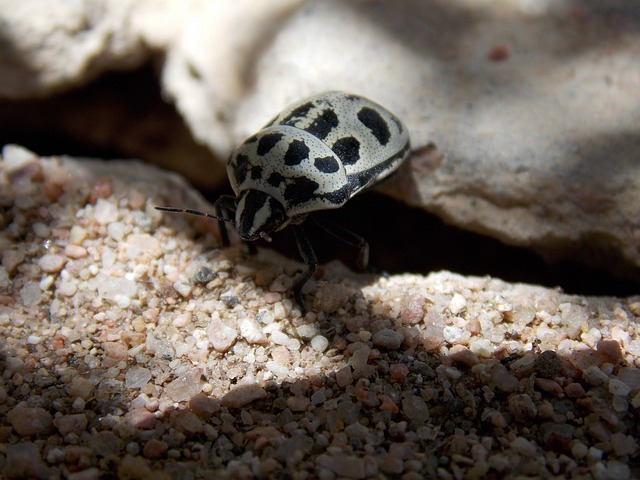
319, 343
67, 288
221, 336
41, 230
481, 347
634, 347
77, 235
105, 212
360, 357
618, 388
46, 282
592, 337
75, 251
458, 304
280, 371
51, 263
16, 157
137, 377
138, 244
116, 230
452, 334
279, 338
251, 330
122, 301
33, 339
110, 287
182, 320
182, 286
31, 294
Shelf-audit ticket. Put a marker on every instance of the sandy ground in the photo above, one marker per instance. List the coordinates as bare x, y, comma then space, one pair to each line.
132, 345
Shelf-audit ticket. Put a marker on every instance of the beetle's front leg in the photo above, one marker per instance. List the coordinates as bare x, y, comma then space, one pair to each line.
225, 207
309, 257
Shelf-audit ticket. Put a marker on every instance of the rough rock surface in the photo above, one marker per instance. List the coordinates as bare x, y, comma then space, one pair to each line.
532, 104
109, 367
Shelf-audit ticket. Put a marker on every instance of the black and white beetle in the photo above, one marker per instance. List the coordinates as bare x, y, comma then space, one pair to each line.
315, 155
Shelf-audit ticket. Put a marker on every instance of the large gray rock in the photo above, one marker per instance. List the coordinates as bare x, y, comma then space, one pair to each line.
532, 106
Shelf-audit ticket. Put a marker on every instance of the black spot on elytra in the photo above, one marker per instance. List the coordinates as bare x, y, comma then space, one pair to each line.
275, 179
241, 168
267, 142
371, 119
300, 190
347, 149
299, 112
256, 173
251, 139
326, 164
323, 124
296, 153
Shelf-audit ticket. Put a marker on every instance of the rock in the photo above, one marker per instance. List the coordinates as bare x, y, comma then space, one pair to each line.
140, 418
523, 446
415, 408
522, 408
342, 465
221, 336
23, 460
29, 421
106, 443
467, 89
51, 263
387, 338
204, 406
155, 449
243, 394
137, 377
75, 423
188, 423
185, 387
502, 379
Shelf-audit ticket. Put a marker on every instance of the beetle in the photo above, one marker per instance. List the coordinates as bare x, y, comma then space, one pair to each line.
315, 155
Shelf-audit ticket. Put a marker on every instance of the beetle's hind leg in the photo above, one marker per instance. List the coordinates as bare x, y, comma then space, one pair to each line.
348, 237
309, 257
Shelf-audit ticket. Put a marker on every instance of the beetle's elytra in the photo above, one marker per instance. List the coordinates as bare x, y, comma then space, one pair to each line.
315, 155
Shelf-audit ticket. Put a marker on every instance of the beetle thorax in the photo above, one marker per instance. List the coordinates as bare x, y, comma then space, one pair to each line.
258, 214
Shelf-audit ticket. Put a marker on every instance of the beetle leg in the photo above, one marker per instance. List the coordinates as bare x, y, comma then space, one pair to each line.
309, 257
225, 206
348, 237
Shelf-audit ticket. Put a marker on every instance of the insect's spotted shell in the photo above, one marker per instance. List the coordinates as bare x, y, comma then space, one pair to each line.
315, 155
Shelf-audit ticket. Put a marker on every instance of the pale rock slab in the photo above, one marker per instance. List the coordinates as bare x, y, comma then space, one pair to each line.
532, 106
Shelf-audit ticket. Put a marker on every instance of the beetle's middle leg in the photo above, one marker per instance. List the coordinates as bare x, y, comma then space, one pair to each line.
309, 257
348, 237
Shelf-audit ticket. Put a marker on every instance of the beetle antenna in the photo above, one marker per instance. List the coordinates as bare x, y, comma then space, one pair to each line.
194, 212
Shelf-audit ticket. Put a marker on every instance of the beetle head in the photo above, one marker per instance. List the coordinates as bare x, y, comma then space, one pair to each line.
258, 214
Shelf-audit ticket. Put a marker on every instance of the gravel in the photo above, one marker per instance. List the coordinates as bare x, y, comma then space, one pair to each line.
133, 347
